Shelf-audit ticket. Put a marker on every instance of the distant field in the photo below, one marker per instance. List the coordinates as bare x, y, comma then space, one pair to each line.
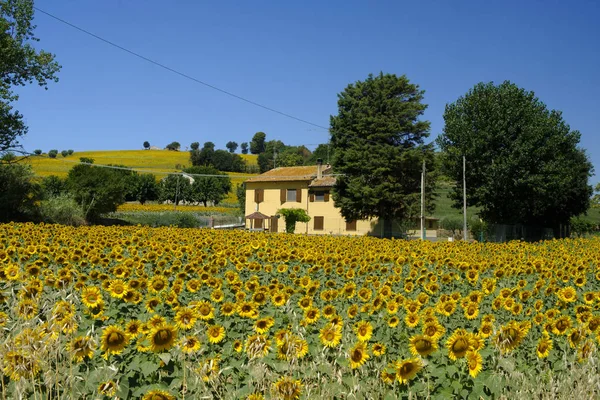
158, 162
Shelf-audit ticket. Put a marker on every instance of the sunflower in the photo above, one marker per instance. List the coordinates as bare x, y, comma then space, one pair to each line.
393, 321
114, 339
237, 346
561, 325
158, 283
257, 346
575, 337
352, 311
510, 336
378, 349
248, 309
412, 320
585, 350
291, 347
544, 346
158, 394
81, 347
287, 388
458, 344
262, 325
358, 355
117, 289
155, 321
568, 294
18, 364
91, 296
217, 295
189, 344
422, 345
471, 311
228, 309
215, 333
406, 370
185, 318
3, 318
27, 309
364, 331
162, 337
107, 388
133, 327
330, 335
433, 329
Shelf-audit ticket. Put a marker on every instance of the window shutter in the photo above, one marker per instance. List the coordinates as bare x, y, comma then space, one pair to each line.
312, 197
351, 226
299, 195
259, 195
282, 195
318, 223
326, 196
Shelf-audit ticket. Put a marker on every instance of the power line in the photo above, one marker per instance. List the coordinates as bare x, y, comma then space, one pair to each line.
184, 75
178, 72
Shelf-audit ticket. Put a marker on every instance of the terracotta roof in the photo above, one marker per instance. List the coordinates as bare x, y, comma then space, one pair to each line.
326, 181
257, 215
303, 173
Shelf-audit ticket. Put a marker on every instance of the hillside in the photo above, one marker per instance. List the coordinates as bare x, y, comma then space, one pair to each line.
158, 162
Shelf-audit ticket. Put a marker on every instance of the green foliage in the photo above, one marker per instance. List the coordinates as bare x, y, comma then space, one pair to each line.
478, 228
244, 147
53, 153
97, 190
208, 189
291, 216
523, 161
64, 153
231, 146
173, 146
285, 156
8, 157
595, 201
86, 160
321, 152
580, 227
175, 188
70, 152
62, 209
53, 186
143, 188
18, 192
240, 192
454, 225
37, 152
257, 144
146, 144
21, 63
222, 160
377, 143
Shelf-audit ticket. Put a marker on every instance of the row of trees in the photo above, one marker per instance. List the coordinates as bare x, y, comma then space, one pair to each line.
524, 163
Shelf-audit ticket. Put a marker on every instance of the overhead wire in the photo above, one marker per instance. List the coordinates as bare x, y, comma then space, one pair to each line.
196, 80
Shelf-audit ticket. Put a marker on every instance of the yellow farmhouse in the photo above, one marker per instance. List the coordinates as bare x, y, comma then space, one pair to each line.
306, 187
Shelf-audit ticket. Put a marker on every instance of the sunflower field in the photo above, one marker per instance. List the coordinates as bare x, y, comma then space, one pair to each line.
167, 313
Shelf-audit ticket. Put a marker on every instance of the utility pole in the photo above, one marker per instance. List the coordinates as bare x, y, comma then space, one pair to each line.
423, 202
464, 199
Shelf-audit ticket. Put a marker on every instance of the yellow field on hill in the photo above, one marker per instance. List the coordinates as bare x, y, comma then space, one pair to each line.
158, 162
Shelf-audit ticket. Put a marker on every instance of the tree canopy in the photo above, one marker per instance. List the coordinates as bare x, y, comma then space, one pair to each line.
377, 144
208, 189
20, 64
523, 161
257, 144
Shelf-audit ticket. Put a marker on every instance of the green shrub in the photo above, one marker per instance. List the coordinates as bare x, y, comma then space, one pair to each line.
454, 225
62, 209
478, 229
53, 153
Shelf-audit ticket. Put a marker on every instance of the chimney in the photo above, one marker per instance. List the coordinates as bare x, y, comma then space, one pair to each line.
319, 168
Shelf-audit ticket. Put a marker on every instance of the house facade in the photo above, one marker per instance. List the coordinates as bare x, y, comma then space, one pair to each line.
306, 187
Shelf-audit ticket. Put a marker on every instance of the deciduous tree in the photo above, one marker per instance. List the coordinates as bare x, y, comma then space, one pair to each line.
524, 163
257, 144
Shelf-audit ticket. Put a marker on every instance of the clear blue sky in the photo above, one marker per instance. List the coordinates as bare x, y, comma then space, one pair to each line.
296, 57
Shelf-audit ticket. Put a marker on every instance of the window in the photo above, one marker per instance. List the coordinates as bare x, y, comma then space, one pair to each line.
320, 196
318, 223
259, 195
291, 195
351, 226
